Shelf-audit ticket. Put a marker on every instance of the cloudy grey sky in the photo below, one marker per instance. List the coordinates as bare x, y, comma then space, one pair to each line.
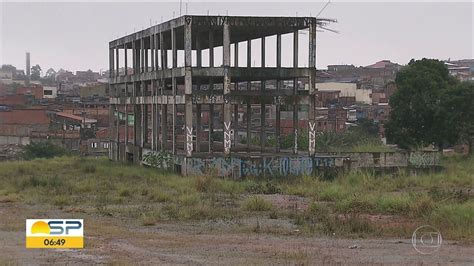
75, 35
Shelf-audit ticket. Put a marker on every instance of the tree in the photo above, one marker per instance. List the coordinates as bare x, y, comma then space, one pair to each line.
418, 116
43, 149
50, 74
459, 105
36, 72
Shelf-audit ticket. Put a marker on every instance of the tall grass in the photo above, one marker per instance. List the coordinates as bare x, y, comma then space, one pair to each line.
443, 199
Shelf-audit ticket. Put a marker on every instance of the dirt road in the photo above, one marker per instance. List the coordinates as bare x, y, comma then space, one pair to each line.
114, 240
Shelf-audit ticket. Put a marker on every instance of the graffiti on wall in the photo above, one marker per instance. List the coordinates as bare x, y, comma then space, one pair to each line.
227, 137
423, 159
312, 137
264, 166
189, 141
161, 160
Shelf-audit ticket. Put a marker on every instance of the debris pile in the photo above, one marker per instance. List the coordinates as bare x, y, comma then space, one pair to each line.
10, 152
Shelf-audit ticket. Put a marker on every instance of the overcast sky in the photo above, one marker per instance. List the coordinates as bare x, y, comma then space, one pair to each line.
75, 36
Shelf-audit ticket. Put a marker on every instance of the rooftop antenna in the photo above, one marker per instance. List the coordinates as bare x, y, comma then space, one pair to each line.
173, 14
180, 3
161, 19
324, 7
208, 12
150, 22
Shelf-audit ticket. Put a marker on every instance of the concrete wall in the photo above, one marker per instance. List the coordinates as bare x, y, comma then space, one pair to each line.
267, 166
347, 89
288, 165
14, 140
53, 90
364, 96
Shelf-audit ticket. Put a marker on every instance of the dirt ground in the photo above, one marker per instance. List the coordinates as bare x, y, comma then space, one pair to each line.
114, 240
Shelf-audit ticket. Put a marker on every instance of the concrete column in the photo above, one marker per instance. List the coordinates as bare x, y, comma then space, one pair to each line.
137, 125
278, 50
111, 142
227, 104
163, 105
145, 54
211, 116
311, 84
152, 52
134, 58
236, 54
198, 51
211, 48
249, 120
117, 131
164, 52
262, 105
153, 116
249, 87
236, 106
117, 65
198, 106
142, 55
158, 99
262, 125
126, 125
157, 42
144, 126
211, 88
188, 86
198, 127
249, 53
125, 72
277, 121
174, 53
111, 62
236, 124
295, 93
278, 103
164, 126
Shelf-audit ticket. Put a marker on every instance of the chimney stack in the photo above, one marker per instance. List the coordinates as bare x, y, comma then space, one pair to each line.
28, 67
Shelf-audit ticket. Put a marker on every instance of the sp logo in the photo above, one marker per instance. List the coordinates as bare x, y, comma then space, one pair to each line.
54, 233
63, 227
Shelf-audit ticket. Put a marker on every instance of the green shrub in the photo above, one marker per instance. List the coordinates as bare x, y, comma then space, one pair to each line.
262, 188
257, 204
43, 149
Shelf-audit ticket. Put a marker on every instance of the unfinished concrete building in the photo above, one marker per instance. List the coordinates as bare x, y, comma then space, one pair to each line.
181, 98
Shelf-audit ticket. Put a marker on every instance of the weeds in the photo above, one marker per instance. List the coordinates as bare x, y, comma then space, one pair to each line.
443, 199
257, 204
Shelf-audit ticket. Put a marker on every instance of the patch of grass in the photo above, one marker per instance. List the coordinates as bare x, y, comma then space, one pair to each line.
150, 218
339, 206
204, 183
257, 203
61, 200
455, 221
